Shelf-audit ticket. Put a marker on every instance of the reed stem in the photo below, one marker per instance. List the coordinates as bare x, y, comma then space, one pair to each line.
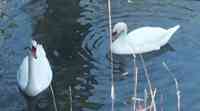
54, 98
178, 92
111, 58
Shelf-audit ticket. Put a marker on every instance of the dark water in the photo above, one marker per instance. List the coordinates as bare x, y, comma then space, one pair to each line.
75, 36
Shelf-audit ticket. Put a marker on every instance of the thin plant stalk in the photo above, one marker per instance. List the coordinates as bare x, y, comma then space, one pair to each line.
145, 98
149, 82
113, 97
153, 103
135, 79
136, 83
147, 108
71, 100
111, 58
178, 92
54, 98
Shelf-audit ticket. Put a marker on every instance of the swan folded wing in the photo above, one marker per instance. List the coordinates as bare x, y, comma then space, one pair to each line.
146, 39
22, 74
42, 70
159, 39
146, 35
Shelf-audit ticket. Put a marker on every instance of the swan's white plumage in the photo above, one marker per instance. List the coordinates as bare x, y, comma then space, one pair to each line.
22, 74
41, 73
141, 40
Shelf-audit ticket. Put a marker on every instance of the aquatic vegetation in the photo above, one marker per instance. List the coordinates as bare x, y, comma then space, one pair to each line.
148, 101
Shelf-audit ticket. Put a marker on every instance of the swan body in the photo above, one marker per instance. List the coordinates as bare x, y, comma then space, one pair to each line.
141, 40
34, 74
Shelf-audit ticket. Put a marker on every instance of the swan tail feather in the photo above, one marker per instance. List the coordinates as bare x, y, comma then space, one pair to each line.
171, 31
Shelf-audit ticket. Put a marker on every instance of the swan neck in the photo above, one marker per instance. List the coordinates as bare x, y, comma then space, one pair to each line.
123, 34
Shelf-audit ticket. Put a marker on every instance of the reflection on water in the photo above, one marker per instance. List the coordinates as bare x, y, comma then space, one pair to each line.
75, 36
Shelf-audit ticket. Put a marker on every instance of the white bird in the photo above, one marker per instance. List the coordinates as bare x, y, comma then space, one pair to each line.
141, 40
34, 74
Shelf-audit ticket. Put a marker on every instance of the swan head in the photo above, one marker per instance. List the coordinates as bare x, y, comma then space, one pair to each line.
34, 49
118, 29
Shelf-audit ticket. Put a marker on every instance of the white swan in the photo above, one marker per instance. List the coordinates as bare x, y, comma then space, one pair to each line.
34, 74
141, 40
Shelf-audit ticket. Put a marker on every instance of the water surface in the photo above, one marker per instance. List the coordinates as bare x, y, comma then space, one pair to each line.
75, 36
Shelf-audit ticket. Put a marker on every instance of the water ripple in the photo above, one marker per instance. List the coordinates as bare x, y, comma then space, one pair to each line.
154, 13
